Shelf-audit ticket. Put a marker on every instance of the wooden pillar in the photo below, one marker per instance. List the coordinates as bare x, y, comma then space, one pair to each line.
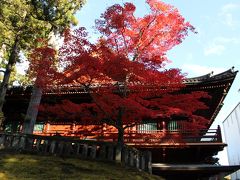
60, 148
110, 153
29, 143
148, 162
10, 140
164, 154
142, 162
198, 154
219, 134
15, 142
78, 149
164, 126
68, 148
6, 141
93, 152
131, 158
126, 156
118, 154
85, 151
102, 154
52, 147
2, 140
45, 145
137, 160
38, 143
46, 128
22, 143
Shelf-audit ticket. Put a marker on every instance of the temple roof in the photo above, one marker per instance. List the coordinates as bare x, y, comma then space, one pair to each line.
217, 87
210, 77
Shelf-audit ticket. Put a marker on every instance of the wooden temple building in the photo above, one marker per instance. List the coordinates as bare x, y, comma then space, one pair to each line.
168, 141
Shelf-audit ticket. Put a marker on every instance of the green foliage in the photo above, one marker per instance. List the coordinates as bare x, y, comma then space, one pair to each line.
28, 20
58, 13
19, 79
23, 22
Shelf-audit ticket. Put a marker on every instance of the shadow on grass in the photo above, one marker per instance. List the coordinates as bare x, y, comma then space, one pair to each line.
33, 167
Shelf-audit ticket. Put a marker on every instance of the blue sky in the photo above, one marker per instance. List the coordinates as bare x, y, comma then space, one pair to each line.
216, 47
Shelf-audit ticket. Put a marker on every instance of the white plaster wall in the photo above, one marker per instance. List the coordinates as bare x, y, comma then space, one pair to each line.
231, 126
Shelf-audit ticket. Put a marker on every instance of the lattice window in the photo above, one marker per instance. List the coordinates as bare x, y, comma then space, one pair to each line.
38, 127
147, 127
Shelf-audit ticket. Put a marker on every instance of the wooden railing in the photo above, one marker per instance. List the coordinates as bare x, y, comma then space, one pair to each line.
151, 137
67, 146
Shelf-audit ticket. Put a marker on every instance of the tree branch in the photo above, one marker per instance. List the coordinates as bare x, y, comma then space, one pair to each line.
141, 32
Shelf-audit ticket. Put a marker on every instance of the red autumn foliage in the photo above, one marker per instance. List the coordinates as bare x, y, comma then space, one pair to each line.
42, 65
145, 39
124, 71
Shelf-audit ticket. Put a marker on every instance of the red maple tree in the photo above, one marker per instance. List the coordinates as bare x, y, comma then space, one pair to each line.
124, 72
42, 67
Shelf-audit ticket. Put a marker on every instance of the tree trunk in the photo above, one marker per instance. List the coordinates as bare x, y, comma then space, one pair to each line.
119, 125
4, 85
121, 137
32, 110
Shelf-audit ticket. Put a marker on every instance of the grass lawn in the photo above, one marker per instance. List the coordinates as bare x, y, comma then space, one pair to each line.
33, 167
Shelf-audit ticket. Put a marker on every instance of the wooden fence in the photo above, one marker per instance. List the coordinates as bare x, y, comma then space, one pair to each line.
86, 149
144, 137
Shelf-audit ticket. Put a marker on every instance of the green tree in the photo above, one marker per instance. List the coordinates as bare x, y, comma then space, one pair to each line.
60, 14
22, 22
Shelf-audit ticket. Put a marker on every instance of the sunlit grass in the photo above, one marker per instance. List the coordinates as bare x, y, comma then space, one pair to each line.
33, 167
